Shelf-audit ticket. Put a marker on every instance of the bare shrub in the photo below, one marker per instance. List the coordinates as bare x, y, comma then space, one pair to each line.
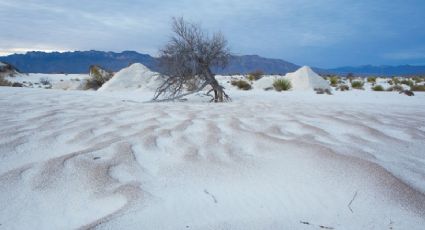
343, 88
45, 81
190, 54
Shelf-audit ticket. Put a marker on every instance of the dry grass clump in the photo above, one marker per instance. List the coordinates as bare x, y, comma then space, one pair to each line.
334, 81
282, 85
4, 82
371, 79
407, 82
343, 88
256, 75
241, 84
357, 84
417, 79
396, 88
417, 88
378, 88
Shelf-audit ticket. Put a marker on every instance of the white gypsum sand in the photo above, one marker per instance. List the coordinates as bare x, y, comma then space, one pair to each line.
267, 160
304, 79
134, 77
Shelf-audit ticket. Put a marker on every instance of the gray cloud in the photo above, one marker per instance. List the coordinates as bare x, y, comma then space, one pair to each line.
322, 32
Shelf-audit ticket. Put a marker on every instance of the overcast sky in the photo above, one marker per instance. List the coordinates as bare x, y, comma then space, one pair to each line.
323, 33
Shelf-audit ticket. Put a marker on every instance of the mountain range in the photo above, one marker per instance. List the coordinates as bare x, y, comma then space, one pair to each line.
80, 61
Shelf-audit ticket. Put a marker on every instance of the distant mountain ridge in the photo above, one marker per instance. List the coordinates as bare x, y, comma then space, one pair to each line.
80, 61
76, 62
384, 70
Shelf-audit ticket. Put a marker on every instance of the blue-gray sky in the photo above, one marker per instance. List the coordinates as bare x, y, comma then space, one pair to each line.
324, 33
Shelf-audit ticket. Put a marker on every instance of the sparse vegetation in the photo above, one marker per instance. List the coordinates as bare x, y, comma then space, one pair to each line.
417, 88
323, 91
256, 75
417, 79
407, 92
98, 77
407, 82
357, 84
343, 87
282, 85
396, 88
378, 88
241, 84
91, 83
17, 84
350, 77
371, 79
396, 81
334, 81
4, 82
45, 81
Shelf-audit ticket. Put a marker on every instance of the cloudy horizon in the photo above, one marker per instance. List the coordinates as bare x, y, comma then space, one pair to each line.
323, 33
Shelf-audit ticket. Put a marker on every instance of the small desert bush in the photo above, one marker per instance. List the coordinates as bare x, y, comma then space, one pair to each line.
343, 87
45, 81
417, 79
92, 83
371, 79
396, 88
417, 88
407, 82
4, 82
350, 77
17, 84
323, 91
357, 84
396, 81
334, 80
378, 88
98, 77
282, 85
256, 75
241, 84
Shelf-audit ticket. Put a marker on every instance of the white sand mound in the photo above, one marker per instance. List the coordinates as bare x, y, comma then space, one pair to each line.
306, 79
265, 82
302, 79
134, 77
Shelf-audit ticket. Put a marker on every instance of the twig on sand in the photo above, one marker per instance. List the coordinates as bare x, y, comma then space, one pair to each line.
349, 204
320, 226
211, 195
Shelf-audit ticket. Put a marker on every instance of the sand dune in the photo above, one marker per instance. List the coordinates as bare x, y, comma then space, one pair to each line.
93, 160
